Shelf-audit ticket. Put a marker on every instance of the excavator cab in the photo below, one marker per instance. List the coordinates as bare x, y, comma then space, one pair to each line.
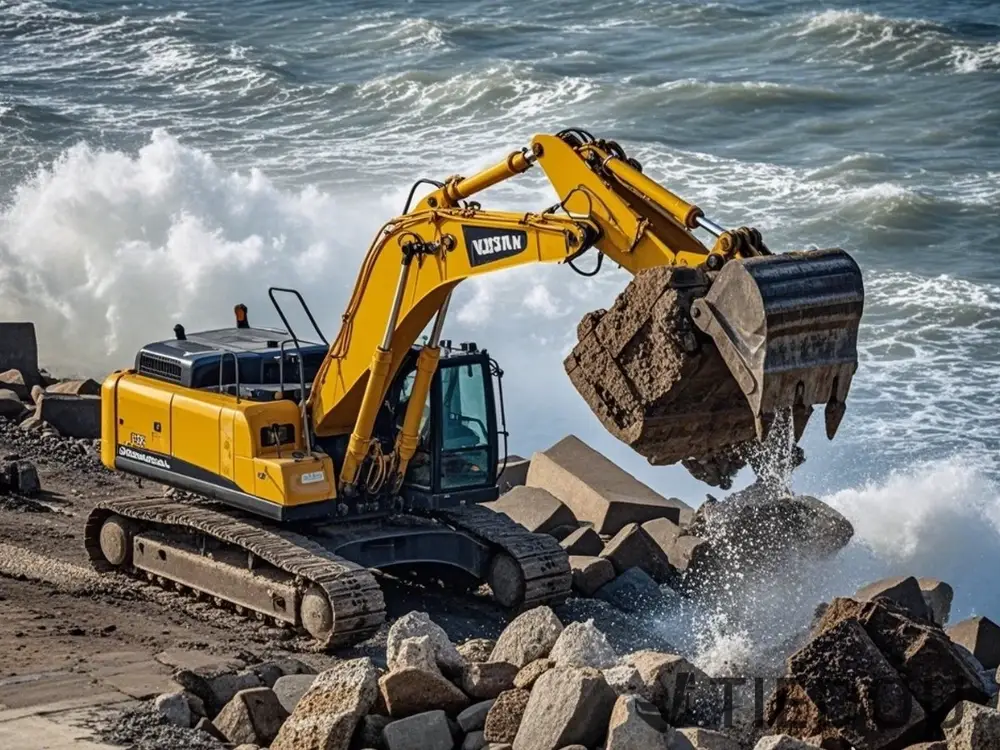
458, 450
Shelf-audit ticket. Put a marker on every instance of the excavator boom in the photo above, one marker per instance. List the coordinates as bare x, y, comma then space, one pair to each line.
750, 332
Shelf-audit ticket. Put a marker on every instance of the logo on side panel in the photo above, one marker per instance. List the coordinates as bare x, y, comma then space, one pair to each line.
143, 457
486, 245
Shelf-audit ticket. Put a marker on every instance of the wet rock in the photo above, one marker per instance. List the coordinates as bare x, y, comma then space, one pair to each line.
624, 680
590, 573
13, 380
291, 688
535, 509
568, 705
72, 416
763, 528
632, 591
253, 716
488, 680
530, 673
474, 717
904, 590
663, 533
708, 739
841, 688
327, 715
477, 650
531, 635
674, 685
412, 691
370, 731
937, 596
783, 742
414, 653
981, 636
970, 726
636, 724
424, 731
417, 624
693, 560
584, 541
174, 707
930, 665
86, 387
597, 490
581, 644
513, 474
504, 717
632, 547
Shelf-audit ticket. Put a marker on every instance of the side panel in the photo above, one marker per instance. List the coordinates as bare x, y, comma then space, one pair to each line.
227, 464
109, 418
196, 432
143, 416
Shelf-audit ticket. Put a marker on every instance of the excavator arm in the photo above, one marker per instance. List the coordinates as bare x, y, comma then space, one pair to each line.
607, 203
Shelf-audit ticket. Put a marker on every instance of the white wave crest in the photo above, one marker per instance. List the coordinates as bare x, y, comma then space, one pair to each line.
105, 251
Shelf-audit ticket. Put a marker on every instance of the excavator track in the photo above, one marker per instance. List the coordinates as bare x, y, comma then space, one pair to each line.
302, 568
534, 564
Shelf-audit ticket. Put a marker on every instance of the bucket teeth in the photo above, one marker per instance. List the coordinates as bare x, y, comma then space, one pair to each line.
834, 414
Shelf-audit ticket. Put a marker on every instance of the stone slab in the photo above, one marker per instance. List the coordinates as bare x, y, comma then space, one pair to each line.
597, 490
140, 680
534, 508
19, 350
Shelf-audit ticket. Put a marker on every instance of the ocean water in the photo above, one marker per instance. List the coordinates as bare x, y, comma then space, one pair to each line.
161, 161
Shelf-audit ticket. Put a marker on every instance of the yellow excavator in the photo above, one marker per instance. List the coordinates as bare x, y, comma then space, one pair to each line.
315, 464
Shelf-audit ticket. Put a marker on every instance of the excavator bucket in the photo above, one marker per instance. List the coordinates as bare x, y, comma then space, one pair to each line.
787, 328
691, 366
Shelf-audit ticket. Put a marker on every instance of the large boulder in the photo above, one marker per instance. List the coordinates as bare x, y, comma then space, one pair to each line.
488, 680
291, 688
473, 718
215, 687
253, 716
581, 644
568, 705
597, 490
981, 636
937, 596
175, 708
584, 542
970, 726
425, 731
531, 635
529, 674
590, 573
632, 547
72, 416
414, 653
415, 624
930, 665
535, 509
762, 528
476, 650
636, 724
412, 691
504, 717
633, 591
327, 715
674, 685
903, 590
841, 689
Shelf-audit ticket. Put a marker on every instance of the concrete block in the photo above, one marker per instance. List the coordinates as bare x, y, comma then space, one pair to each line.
632, 547
535, 509
903, 590
584, 541
19, 350
590, 573
595, 489
514, 473
72, 416
981, 636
